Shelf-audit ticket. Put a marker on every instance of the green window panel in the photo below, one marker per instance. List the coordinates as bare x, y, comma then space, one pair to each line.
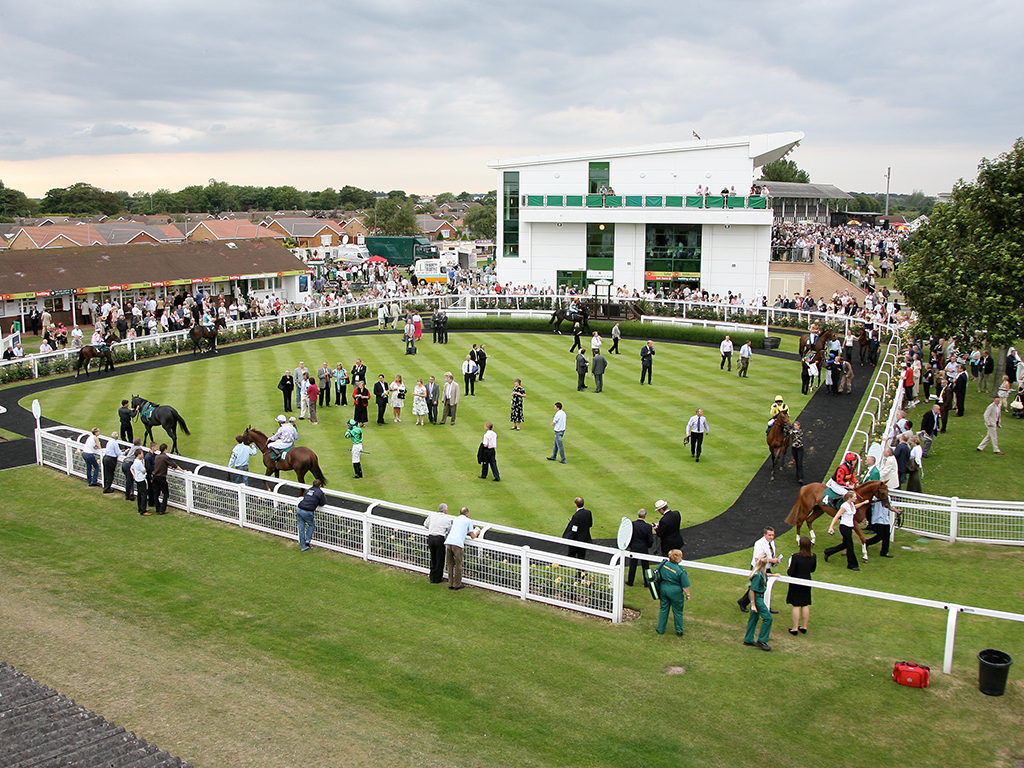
694, 201
757, 202
737, 202
613, 201
574, 201
595, 201
715, 201
674, 201
600, 174
634, 201
535, 201
555, 201
653, 201
600, 263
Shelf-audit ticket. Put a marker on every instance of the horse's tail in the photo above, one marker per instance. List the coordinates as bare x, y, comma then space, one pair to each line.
794, 514
315, 468
181, 421
80, 359
553, 316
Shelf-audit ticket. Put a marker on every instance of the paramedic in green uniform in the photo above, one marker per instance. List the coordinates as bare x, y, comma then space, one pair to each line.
758, 609
674, 585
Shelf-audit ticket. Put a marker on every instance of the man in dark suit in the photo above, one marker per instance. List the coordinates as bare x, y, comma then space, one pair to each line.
960, 389
600, 364
578, 529
902, 455
945, 403
646, 362
929, 428
642, 541
581, 371
433, 398
481, 360
380, 394
668, 528
125, 414
358, 373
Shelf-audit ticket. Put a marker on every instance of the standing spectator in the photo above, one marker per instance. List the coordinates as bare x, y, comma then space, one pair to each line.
945, 403
125, 416
126, 467
616, 338
419, 401
297, 378
889, 470
581, 371
324, 378
138, 470
1003, 393
240, 456
915, 466
726, 349
796, 444
398, 392
435, 328
361, 401
455, 544
305, 513
287, 386
358, 372
746, 352
161, 492
901, 452
646, 362
929, 429
668, 527
696, 428
558, 425
487, 456
433, 397
90, 454
992, 425
438, 525
312, 392
641, 542
846, 384
355, 434
481, 361
801, 566
111, 453
878, 521
674, 585
340, 385
449, 398
985, 369
469, 371
380, 394
409, 335
518, 393
756, 588
763, 548
960, 389
577, 332
845, 516
303, 384
600, 365
595, 343
150, 461
578, 529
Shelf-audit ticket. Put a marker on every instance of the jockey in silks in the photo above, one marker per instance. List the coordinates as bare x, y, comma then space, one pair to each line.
281, 440
97, 339
779, 406
844, 480
812, 334
207, 321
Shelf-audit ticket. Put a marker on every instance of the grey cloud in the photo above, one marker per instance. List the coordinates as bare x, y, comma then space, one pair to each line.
103, 130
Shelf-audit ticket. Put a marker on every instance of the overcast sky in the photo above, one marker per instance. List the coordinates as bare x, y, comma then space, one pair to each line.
419, 96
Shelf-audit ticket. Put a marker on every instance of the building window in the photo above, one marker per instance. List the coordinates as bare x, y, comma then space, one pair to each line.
599, 177
672, 254
600, 250
510, 214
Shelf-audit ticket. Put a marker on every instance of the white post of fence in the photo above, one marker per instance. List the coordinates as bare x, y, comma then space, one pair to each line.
954, 518
524, 573
189, 496
618, 587
241, 502
953, 610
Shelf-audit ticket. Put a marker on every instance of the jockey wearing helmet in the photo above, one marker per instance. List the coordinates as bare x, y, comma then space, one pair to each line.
283, 439
845, 478
778, 406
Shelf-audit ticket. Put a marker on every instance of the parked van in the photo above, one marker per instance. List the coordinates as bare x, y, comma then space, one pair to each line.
430, 271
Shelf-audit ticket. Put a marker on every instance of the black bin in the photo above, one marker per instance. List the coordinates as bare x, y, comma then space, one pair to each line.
993, 669
771, 342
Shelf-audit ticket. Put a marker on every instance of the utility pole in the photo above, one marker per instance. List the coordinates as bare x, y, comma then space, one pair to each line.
888, 177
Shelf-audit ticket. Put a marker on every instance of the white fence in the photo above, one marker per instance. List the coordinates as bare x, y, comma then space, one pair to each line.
954, 519
393, 534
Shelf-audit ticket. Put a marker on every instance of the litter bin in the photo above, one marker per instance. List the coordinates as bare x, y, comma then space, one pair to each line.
993, 669
772, 342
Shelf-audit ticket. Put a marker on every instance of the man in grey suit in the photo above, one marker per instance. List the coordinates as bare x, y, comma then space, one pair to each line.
582, 364
599, 365
323, 382
433, 398
449, 397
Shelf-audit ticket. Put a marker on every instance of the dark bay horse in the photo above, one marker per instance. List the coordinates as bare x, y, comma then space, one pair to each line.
89, 353
778, 441
299, 459
864, 345
819, 345
153, 414
808, 508
197, 334
561, 315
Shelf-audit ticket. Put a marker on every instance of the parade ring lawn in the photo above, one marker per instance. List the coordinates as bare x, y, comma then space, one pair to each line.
624, 446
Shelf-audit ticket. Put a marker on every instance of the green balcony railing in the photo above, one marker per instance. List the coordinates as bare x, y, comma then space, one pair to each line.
644, 201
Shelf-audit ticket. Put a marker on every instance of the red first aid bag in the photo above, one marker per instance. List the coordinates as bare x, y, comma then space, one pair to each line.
911, 674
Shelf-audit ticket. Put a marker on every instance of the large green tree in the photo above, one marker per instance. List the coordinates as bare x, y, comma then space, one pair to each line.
81, 198
14, 202
394, 216
480, 222
784, 170
964, 269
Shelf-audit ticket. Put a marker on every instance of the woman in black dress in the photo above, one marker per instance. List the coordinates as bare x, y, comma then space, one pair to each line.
518, 393
287, 386
361, 399
801, 566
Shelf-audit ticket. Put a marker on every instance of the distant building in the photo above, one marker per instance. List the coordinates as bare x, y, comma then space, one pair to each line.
806, 202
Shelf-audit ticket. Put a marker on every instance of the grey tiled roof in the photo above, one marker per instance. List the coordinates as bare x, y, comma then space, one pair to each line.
40, 727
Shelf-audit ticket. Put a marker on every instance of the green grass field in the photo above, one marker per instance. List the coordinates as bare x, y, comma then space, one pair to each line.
624, 446
230, 648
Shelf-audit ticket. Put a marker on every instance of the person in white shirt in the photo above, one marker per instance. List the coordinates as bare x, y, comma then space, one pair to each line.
488, 454
696, 428
455, 544
558, 425
765, 546
746, 351
726, 349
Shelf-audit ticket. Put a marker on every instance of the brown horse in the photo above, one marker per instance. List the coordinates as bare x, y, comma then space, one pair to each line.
808, 508
197, 334
819, 345
299, 459
778, 441
88, 353
561, 315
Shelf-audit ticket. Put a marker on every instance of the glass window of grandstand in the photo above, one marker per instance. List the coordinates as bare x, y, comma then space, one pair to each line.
600, 247
599, 177
510, 214
572, 278
672, 253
